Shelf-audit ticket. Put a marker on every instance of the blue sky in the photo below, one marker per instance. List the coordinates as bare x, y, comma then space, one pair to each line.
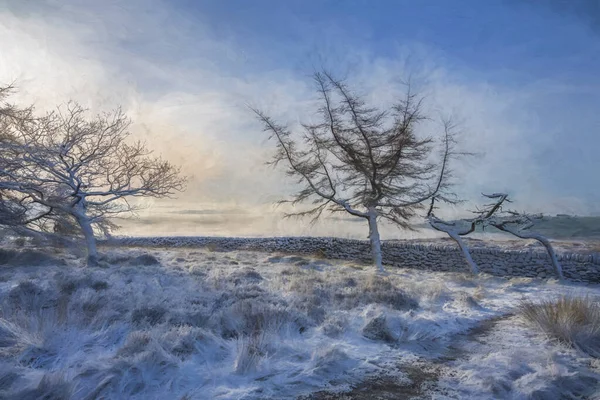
514, 40
507, 43
551, 48
521, 76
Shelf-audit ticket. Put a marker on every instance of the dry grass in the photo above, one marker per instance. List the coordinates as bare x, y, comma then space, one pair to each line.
251, 350
571, 320
222, 329
313, 290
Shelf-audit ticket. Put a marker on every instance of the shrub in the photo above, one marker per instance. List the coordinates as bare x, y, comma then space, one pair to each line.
574, 321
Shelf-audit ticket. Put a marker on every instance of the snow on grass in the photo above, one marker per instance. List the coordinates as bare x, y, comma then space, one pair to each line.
200, 324
571, 320
513, 362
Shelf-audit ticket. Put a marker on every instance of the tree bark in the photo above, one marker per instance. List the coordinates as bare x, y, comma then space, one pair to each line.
552, 254
375, 240
465, 251
90, 240
457, 237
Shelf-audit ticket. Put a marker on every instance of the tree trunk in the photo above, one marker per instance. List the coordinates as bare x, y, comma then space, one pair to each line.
552, 254
90, 240
546, 243
375, 240
465, 251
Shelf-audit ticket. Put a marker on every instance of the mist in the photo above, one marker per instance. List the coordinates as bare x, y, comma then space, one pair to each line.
187, 75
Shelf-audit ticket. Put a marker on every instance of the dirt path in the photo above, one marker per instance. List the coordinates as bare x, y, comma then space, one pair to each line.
422, 375
504, 359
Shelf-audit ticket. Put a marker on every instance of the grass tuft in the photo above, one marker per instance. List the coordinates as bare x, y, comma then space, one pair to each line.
574, 321
250, 351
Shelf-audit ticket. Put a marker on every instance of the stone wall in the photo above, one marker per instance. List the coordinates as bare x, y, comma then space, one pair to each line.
528, 263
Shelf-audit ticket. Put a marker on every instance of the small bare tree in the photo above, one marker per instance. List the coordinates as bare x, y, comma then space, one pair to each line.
493, 214
361, 160
518, 224
468, 226
84, 170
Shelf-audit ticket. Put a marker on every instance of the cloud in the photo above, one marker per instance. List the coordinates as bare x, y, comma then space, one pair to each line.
187, 89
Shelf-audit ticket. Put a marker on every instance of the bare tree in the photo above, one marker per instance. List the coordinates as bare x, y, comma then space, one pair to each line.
493, 214
361, 160
468, 226
16, 206
518, 224
84, 170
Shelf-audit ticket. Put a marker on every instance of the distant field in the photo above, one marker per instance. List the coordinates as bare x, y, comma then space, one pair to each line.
567, 227
238, 223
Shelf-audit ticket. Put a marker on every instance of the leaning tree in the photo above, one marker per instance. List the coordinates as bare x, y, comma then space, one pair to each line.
366, 161
493, 214
82, 171
519, 224
458, 229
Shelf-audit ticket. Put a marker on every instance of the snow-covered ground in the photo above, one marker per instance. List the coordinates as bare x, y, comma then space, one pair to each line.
201, 324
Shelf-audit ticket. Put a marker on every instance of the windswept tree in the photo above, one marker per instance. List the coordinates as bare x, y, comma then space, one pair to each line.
369, 162
457, 229
494, 215
519, 224
81, 171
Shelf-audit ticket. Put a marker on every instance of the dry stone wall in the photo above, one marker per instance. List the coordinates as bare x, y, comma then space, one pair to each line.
527, 263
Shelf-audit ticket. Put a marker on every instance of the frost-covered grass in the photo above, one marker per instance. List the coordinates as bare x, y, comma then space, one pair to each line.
573, 320
202, 324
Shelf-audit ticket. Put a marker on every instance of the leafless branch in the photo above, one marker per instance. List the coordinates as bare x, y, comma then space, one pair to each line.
69, 164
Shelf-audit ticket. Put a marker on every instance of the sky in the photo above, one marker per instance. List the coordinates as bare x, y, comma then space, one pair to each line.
521, 77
